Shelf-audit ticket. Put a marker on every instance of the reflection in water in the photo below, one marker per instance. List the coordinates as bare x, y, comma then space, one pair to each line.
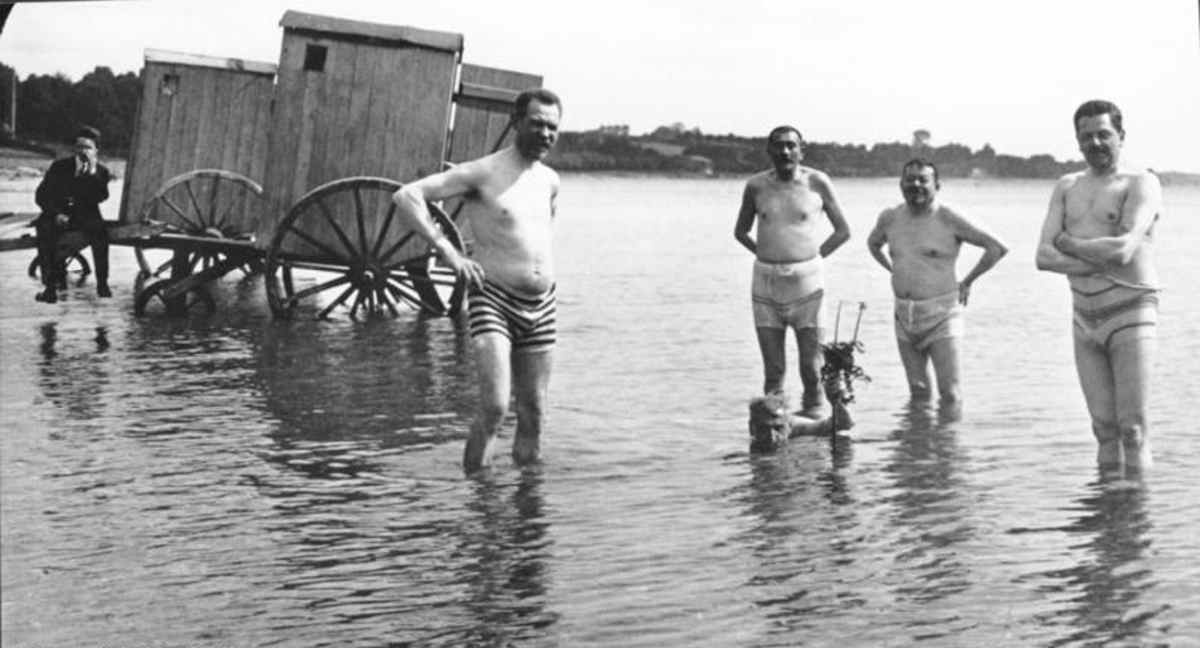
502, 559
805, 516
326, 382
1106, 584
932, 508
74, 379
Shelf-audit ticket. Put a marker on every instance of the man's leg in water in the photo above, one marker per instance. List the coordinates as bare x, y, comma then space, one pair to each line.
531, 380
1132, 359
492, 351
944, 353
771, 344
916, 369
808, 342
1096, 380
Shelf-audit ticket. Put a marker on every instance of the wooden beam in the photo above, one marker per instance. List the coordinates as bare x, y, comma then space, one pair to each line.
200, 60
357, 29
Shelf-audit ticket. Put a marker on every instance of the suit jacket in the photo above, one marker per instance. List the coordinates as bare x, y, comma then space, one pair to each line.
63, 192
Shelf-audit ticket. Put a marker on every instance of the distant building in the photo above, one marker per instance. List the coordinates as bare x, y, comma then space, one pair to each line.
663, 148
921, 138
619, 130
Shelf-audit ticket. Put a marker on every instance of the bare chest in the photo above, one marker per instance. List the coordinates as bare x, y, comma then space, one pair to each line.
522, 203
1094, 209
923, 238
787, 205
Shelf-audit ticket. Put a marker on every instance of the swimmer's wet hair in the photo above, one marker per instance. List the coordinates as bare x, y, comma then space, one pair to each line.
541, 95
786, 128
921, 163
1097, 107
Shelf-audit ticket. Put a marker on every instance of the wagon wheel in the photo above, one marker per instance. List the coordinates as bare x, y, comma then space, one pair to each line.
208, 203
194, 301
76, 259
342, 246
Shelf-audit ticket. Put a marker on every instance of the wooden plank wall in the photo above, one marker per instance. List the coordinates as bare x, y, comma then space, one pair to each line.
209, 118
377, 109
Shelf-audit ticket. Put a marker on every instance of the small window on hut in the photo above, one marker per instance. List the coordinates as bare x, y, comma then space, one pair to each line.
170, 84
314, 57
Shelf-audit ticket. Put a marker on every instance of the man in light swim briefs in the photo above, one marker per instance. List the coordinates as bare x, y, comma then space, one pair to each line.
788, 285
923, 239
510, 199
1099, 231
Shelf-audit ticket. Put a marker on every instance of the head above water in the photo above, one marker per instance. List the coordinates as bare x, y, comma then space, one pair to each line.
785, 147
1100, 133
535, 117
769, 424
919, 182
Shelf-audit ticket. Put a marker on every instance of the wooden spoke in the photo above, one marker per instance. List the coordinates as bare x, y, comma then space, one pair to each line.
395, 247
411, 296
337, 229
195, 203
182, 216
360, 217
213, 197
383, 230
314, 242
370, 277
387, 301
312, 290
337, 302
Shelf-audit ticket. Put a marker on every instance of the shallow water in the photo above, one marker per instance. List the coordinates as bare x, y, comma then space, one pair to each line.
235, 481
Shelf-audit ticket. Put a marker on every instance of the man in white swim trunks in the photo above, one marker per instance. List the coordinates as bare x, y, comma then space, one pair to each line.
510, 204
788, 286
923, 238
1099, 231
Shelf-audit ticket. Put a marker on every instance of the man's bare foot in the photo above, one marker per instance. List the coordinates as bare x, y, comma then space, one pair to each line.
478, 451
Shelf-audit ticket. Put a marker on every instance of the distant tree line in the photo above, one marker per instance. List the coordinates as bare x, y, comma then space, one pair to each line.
601, 150
50, 108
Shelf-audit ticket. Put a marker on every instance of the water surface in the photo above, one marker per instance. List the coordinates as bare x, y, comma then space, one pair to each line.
235, 481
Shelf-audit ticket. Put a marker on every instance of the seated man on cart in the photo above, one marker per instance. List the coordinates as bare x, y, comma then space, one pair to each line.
69, 196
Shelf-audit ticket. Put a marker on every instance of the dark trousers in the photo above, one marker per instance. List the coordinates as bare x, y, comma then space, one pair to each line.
48, 234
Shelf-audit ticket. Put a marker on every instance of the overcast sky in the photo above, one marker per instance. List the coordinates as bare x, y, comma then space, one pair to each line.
1008, 73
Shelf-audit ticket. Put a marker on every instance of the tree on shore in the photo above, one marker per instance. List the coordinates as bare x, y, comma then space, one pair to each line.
51, 107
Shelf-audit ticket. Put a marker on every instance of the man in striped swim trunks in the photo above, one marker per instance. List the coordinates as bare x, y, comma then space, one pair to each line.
923, 239
510, 204
785, 203
1099, 231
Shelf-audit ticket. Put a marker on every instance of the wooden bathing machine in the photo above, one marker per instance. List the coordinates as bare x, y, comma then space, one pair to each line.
290, 168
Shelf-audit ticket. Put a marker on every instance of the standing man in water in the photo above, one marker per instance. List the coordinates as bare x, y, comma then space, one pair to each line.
924, 237
1099, 231
788, 285
510, 203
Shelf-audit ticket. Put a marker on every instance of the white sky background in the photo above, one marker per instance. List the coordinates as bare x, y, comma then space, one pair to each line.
1004, 72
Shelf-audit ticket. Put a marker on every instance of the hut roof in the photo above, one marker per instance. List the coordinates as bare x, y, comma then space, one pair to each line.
198, 60
344, 29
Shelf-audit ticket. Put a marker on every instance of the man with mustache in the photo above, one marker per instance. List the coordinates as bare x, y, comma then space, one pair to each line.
923, 238
788, 285
1099, 231
510, 204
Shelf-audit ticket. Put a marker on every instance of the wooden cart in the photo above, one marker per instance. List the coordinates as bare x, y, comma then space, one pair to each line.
289, 169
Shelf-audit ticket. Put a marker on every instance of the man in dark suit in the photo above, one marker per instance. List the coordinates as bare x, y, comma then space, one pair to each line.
70, 195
